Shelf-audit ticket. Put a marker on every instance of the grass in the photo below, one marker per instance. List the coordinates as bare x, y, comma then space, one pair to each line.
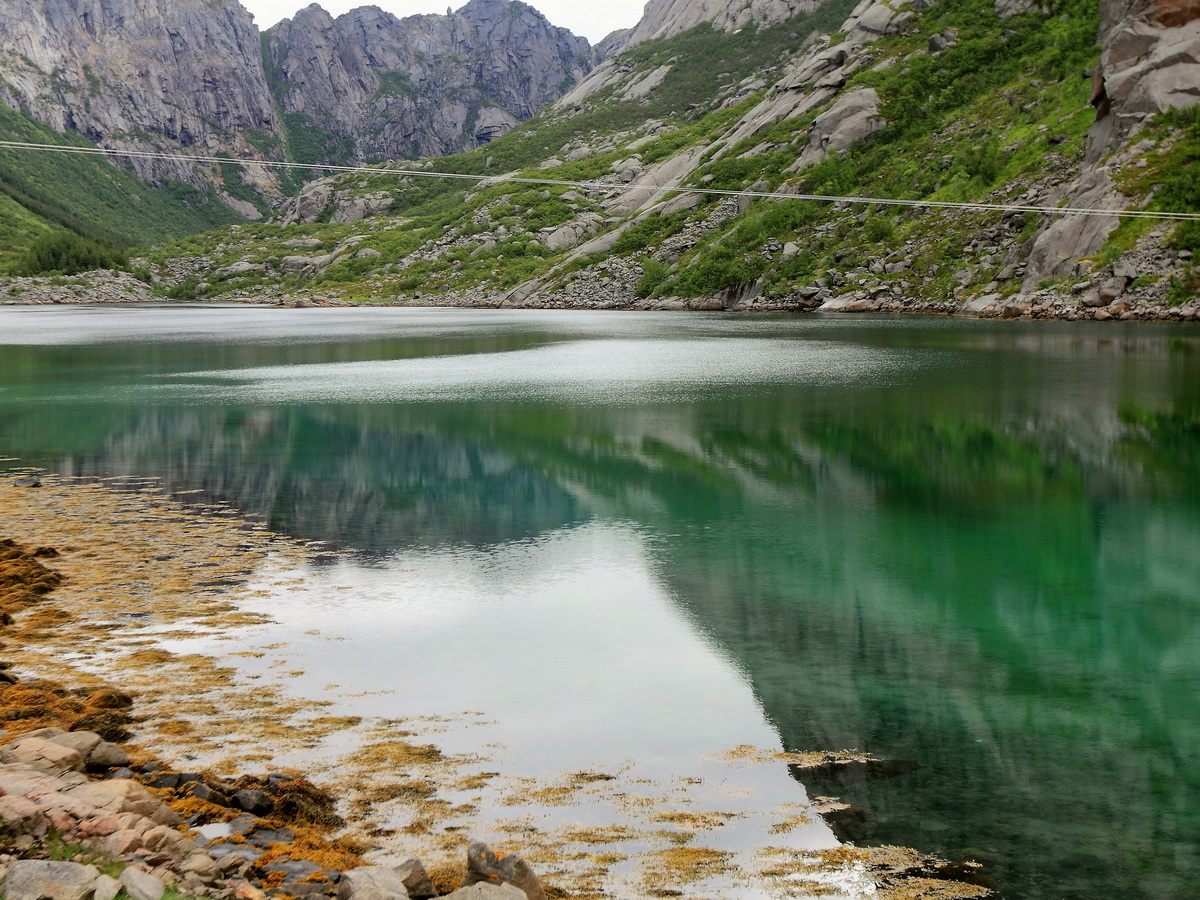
89, 196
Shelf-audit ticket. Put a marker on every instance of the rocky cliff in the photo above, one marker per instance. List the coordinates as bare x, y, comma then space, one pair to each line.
425, 85
165, 75
666, 18
189, 76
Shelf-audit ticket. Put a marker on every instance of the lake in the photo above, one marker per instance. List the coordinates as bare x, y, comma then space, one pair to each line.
968, 545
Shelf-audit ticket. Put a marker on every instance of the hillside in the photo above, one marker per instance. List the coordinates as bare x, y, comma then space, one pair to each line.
999, 101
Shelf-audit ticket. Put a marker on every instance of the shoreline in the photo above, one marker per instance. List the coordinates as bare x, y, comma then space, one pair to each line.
112, 536
1081, 304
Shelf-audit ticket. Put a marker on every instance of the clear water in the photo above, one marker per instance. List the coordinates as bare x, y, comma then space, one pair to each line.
972, 545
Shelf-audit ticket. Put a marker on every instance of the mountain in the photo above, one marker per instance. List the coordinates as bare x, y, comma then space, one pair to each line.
196, 77
1000, 102
422, 86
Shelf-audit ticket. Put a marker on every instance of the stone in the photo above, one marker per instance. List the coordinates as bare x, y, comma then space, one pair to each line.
851, 120
1006, 9
23, 815
202, 865
82, 741
943, 40
106, 888
209, 794
487, 866
142, 885
43, 879
107, 756
372, 883
117, 796
254, 802
43, 755
28, 481
416, 879
487, 892
1112, 289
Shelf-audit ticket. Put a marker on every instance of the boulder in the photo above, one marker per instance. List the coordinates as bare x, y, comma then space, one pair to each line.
107, 756
416, 879
487, 892
943, 40
43, 755
117, 796
141, 885
1006, 9
254, 802
44, 879
82, 741
372, 883
106, 888
851, 120
23, 816
493, 867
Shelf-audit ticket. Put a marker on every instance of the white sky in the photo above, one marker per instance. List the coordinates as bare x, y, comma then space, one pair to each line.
594, 20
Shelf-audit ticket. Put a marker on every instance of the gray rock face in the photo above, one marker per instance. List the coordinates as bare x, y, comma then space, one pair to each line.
37, 879
664, 18
1150, 63
172, 75
853, 119
139, 74
423, 85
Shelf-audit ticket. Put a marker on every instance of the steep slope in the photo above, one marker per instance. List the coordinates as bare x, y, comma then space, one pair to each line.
189, 78
142, 74
88, 196
973, 101
424, 85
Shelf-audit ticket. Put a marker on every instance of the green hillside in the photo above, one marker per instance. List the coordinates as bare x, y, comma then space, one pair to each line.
41, 192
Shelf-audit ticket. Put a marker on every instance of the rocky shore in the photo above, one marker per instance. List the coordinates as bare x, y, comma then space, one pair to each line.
143, 788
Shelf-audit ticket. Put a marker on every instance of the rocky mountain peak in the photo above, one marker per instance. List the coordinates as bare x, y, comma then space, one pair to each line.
424, 85
665, 18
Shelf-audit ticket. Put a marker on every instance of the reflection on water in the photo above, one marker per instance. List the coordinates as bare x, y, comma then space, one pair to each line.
970, 545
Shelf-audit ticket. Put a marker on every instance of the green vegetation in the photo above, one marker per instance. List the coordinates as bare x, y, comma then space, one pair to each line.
1172, 175
64, 253
312, 146
87, 195
396, 84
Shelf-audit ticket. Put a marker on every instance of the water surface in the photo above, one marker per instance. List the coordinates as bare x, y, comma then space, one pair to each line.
971, 545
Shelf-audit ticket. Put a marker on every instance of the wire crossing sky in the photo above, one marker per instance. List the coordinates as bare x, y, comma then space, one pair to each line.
602, 186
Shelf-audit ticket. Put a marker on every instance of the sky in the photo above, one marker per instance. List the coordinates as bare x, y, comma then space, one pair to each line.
594, 20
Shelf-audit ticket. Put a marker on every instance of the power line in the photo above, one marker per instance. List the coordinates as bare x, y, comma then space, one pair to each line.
601, 186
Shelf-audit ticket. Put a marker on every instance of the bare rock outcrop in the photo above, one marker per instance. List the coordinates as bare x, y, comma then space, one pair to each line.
665, 18
140, 74
1150, 63
423, 85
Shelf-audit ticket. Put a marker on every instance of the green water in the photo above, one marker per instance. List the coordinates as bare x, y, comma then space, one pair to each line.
972, 545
